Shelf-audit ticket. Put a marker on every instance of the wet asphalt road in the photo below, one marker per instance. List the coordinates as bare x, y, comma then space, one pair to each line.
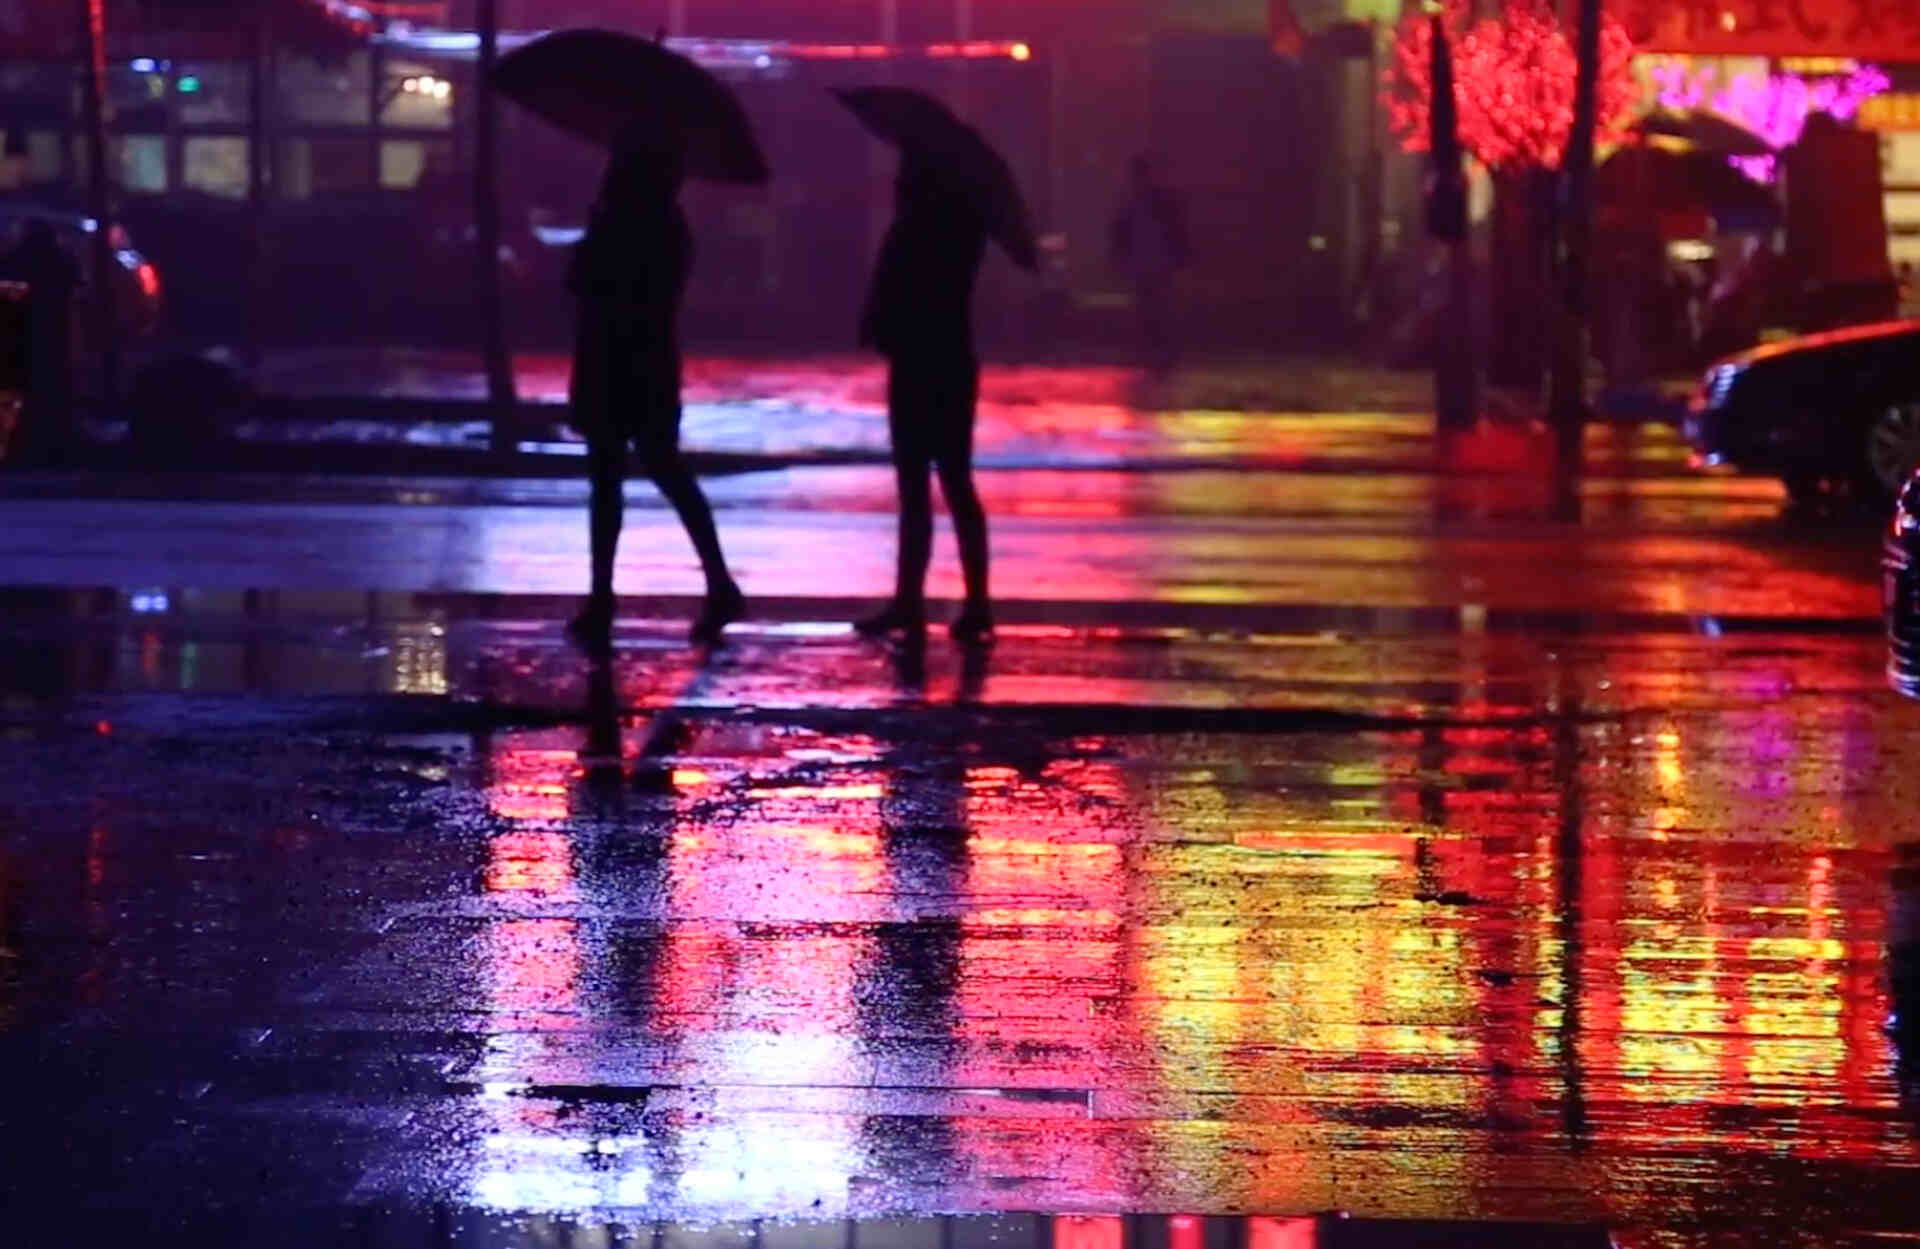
1315, 839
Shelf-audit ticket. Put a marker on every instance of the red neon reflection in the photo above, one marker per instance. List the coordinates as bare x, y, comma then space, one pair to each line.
1084, 1231
1264, 1233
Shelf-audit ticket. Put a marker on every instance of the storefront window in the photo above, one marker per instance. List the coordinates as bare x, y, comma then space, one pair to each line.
139, 95
326, 93
311, 167
217, 165
211, 92
43, 157
418, 95
403, 163
141, 163
37, 92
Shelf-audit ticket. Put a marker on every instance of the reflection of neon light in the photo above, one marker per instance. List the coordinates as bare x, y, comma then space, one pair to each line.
1264, 1233
1773, 106
1084, 1231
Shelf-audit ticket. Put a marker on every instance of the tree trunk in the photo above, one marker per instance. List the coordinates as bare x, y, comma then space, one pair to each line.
1519, 269
1567, 402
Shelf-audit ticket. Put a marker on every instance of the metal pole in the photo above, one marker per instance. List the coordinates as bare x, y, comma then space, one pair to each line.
93, 30
889, 22
486, 233
677, 18
1567, 403
259, 170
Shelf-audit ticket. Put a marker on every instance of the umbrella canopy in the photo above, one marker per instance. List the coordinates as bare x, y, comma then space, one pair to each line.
1650, 186
615, 89
915, 121
1700, 131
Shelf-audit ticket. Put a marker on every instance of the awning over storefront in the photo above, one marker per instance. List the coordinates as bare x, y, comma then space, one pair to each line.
47, 29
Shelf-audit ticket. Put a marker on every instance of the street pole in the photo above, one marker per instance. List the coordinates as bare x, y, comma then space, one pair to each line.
677, 18
1446, 209
93, 31
1567, 403
486, 234
259, 171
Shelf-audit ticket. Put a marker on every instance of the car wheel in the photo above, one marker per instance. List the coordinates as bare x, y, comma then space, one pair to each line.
1893, 447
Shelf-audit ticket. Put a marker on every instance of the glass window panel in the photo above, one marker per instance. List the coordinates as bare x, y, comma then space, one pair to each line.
43, 157
326, 93
323, 166
418, 94
38, 92
139, 97
403, 162
141, 163
217, 165
211, 92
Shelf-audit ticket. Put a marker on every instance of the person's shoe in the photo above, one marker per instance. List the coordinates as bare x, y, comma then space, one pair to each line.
972, 627
893, 618
721, 610
592, 629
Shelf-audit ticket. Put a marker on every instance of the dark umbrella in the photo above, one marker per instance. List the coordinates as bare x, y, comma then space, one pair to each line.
607, 87
1642, 184
1702, 131
913, 120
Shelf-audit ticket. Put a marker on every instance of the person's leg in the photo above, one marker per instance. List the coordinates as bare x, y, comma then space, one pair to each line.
655, 358
591, 394
955, 464
725, 603
906, 421
606, 509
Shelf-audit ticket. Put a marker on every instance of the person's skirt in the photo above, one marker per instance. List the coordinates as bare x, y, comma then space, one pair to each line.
626, 374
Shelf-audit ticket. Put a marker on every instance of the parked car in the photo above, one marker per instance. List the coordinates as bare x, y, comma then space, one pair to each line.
136, 283
1900, 589
1837, 411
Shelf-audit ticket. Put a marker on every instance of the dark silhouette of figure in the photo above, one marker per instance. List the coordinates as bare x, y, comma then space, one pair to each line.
1148, 242
628, 274
1903, 972
52, 277
919, 316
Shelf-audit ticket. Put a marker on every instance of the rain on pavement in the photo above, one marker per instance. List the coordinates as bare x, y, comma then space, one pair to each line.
1334, 837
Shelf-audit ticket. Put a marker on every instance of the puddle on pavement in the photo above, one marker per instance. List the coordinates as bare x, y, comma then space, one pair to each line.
463, 1228
687, 948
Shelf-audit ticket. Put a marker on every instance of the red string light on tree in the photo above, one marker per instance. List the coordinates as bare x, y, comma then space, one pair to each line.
1514, 78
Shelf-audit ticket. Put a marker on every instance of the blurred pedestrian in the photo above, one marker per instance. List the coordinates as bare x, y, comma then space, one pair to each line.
919, 316
51, 276
628, 275
1148, 243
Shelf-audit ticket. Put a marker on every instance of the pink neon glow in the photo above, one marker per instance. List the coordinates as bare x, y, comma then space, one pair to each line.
1773, 106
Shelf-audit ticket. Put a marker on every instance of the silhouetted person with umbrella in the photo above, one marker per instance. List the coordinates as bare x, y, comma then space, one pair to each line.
663, 118
629, 274
919, 316
1148, 242
953, 194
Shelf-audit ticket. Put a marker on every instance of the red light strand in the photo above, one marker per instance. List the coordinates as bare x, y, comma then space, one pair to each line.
1514, 78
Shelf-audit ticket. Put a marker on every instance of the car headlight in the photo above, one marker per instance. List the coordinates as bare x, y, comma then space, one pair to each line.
1906, 510
1715, 387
